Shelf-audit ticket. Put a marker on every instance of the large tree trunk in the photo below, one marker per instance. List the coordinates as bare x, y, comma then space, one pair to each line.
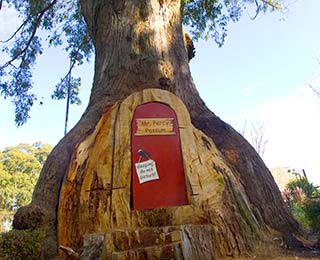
139, 45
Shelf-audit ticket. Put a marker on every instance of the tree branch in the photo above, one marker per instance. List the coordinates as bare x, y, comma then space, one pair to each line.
15, 33
257, 10
259, 7
317, 92
271, 4
35, 28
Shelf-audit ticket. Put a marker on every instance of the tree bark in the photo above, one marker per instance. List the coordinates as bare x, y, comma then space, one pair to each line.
139, 45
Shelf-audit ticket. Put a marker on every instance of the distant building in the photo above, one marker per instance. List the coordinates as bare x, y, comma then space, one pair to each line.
283, 175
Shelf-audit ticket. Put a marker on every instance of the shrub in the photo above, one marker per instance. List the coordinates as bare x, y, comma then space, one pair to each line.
312, 212
302, 184
303, 199
300, 215
21, 244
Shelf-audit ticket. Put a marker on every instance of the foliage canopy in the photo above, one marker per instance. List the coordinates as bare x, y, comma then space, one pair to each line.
63, 24
20, 167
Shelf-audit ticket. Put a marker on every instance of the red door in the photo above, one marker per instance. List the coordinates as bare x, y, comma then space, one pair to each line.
158, 178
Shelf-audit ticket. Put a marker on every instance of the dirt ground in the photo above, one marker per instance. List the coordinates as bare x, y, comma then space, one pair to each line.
285, 255
278, 253
274, 251
289, 256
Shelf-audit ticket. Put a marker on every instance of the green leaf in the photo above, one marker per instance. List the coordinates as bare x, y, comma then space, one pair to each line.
19, 170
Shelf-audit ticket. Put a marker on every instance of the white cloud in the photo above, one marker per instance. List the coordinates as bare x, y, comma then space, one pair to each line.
292, 125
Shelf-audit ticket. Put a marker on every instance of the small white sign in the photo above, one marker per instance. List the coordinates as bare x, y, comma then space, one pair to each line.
147, 171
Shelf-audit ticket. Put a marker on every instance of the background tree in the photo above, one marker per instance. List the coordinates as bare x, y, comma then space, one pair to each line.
20, 167
256, 136
138, 45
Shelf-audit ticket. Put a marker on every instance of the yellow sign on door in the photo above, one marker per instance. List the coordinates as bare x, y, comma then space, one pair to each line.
154, 126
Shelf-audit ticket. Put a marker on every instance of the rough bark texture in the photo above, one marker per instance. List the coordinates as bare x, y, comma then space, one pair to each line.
139, 45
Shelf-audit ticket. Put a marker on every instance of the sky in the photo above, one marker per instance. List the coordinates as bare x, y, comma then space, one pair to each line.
259, 77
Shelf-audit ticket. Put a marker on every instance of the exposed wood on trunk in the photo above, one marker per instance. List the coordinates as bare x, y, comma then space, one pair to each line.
103, 160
